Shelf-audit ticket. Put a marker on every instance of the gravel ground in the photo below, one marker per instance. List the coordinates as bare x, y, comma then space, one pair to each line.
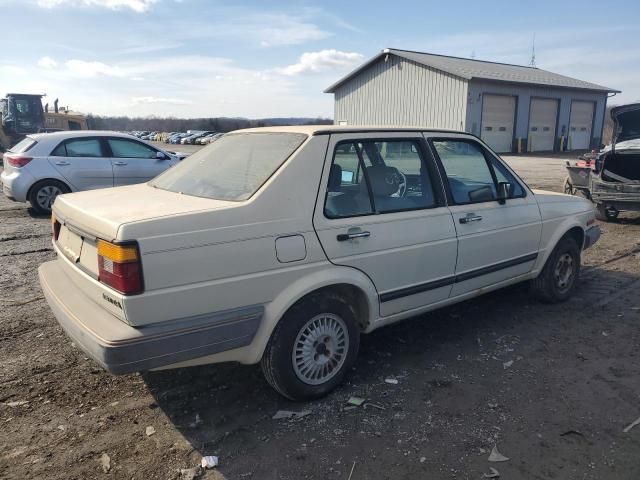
552, 386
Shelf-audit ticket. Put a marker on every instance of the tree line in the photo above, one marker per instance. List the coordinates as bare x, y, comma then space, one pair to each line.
214, 124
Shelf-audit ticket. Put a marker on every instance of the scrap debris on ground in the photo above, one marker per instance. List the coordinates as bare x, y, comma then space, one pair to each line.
454, 401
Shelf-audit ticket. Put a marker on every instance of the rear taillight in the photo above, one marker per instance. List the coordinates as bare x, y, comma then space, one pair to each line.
119, 267
55, 227
17, 160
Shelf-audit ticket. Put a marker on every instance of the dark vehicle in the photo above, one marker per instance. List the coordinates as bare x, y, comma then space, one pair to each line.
615, 181
20, 115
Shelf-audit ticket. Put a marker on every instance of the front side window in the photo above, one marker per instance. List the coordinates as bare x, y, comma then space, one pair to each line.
467, 171
84, 147
123, 148
472, 174
232, 168
22, 106
377, 177
514, 189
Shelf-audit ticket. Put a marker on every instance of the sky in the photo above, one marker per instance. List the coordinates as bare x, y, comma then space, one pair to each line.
257, 59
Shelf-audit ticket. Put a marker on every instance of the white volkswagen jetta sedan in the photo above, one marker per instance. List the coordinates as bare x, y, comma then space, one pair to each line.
284, 245
44, 165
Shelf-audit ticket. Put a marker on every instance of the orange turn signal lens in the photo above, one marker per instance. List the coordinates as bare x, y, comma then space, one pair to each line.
118, 253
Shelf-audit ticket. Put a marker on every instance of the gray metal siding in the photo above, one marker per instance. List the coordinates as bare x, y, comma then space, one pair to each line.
400, 92
524, 95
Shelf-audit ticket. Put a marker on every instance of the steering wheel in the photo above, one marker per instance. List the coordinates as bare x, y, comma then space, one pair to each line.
402, 185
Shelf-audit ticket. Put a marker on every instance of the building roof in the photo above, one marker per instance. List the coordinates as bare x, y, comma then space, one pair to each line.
469, 69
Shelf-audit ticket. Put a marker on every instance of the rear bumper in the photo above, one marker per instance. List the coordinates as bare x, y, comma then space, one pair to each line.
591, 236
121, 348
15, 184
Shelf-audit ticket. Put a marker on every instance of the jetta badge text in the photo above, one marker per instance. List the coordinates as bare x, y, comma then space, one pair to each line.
112, 301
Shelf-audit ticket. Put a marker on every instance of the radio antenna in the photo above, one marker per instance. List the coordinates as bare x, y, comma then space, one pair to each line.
532, 63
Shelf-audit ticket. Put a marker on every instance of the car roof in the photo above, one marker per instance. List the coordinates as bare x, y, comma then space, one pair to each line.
328, 129
63, 135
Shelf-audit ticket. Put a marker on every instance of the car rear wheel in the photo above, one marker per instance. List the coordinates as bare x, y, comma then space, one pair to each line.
558, 278
43, 194
312, 348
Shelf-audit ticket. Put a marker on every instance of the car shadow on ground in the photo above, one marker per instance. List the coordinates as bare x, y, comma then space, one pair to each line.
228, 408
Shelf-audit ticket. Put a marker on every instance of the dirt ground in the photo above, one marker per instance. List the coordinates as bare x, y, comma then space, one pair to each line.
552, 386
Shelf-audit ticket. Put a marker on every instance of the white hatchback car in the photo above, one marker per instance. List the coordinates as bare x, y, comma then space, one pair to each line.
42, 166
283, 245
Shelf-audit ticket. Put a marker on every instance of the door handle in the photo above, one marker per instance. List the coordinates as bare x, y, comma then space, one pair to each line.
62, 163
471, 217
120, 163
342, 237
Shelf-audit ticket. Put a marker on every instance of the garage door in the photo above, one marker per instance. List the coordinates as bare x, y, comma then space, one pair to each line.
542, 124
580, 125
498, 113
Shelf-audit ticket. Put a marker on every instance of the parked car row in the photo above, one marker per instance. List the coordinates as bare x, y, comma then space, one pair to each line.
45, 165
190, 137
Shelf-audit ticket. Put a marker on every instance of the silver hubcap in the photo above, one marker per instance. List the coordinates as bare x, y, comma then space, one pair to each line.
46, 196
564, 271
320, 349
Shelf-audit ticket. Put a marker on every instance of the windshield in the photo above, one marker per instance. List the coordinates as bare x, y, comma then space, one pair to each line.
629, 125
232, 168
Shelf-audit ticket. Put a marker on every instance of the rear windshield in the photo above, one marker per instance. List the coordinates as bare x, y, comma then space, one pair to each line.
232, 168
23, 145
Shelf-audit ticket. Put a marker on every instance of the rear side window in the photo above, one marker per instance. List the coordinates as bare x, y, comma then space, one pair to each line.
23, 145
84, 147
123, 148
59, 151
377, 176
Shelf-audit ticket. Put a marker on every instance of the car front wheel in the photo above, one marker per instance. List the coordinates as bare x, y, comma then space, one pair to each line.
312, 347
558, 278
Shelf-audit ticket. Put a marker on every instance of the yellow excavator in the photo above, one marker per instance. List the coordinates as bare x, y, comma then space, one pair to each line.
22, 114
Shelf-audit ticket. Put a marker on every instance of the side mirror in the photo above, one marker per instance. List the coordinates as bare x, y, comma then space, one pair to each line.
161, 156
504, 191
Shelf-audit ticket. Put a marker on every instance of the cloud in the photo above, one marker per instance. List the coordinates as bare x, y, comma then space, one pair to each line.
278, 30
83, 69
170, 101
324, 60
47, 62
261, 29
139, 6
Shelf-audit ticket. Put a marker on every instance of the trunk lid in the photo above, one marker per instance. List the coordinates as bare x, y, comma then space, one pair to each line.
102, 212
626, 120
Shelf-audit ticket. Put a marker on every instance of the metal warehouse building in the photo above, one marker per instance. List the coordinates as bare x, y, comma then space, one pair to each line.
511, 107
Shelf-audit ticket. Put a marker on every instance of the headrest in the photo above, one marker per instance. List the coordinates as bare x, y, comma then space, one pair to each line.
385, 181
335, 178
